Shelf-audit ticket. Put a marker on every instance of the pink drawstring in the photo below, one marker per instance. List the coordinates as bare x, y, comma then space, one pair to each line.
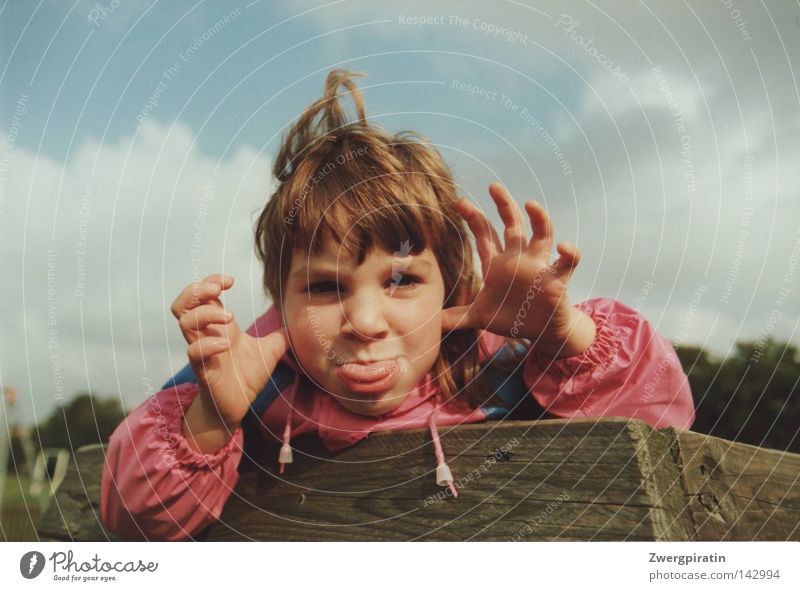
285, 455
443, 474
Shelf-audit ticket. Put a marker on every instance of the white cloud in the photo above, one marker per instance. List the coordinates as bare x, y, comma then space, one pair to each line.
137, 205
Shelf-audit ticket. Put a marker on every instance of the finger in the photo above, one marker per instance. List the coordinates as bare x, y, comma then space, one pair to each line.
511, 215
457, 318
486, 238
226, 281
203, 349
568, 259
198, 293
197, 319
542, 226
194, 295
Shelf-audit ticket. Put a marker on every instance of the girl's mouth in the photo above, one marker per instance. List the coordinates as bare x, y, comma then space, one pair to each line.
369, 378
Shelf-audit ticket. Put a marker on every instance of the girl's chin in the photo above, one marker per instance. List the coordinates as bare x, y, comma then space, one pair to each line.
372, 405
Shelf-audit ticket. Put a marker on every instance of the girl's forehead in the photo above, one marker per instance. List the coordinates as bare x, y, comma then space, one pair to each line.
336, 254
333, 257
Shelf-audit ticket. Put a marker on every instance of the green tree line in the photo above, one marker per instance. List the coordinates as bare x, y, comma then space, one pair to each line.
751, 396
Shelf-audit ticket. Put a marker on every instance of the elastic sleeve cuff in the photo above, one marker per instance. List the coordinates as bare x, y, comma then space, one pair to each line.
165, 414
608, 352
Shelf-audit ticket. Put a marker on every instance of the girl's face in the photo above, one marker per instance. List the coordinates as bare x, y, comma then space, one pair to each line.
386, 310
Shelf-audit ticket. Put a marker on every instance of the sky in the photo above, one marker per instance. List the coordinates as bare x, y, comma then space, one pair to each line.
136, 141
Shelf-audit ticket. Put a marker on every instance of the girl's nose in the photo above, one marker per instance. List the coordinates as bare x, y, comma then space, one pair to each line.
365, 316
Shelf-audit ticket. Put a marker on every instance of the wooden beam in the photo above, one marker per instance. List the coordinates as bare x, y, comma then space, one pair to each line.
584, 479
74, 512
740, 492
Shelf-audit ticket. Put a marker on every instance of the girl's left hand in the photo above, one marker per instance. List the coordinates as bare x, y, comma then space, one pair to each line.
523, 295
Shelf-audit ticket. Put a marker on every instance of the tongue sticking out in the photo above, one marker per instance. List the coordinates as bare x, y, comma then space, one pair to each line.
374, 378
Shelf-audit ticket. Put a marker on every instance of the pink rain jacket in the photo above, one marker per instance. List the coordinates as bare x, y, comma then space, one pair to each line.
155, 486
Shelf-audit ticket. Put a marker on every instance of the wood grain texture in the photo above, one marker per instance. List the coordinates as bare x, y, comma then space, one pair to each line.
582, 479
740, 492
74, 512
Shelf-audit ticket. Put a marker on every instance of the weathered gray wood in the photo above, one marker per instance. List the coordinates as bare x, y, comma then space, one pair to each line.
584, 474
740, 492
584, 479
74, 512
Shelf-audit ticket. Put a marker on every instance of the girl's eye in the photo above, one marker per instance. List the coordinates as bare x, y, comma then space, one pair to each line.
323, 287
407, 281
328, 287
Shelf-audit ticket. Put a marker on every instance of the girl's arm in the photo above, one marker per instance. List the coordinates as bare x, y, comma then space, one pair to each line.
172, 464
231, 366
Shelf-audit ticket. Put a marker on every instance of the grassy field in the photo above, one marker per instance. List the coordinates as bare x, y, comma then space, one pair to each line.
20, 512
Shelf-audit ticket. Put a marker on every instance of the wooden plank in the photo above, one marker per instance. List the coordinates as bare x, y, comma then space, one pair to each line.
534, 519
585, 479
555, 476
659, 464
740, 492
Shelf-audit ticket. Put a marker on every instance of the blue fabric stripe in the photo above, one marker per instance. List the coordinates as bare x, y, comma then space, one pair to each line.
511, 389
281, 377
184, 375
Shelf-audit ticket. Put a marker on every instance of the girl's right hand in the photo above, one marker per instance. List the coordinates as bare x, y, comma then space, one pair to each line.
231, 366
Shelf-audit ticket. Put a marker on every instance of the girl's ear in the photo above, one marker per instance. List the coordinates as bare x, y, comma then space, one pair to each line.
464, 296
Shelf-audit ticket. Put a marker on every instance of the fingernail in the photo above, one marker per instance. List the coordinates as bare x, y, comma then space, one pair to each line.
228, 315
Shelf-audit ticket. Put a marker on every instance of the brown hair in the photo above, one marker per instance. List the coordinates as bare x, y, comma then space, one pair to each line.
365, 187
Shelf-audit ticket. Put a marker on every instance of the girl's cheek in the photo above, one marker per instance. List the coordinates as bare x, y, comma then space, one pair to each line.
423, 315
299, 330
310, 332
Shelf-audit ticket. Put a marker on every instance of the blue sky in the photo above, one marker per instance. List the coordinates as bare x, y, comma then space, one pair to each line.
681, 144
101, 76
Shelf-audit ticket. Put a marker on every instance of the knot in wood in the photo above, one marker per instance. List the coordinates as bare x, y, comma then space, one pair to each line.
499, 455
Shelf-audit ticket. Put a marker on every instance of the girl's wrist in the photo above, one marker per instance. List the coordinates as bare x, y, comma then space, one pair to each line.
574, 337
203, 427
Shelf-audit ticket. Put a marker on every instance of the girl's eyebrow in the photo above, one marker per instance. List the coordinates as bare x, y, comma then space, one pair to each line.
313, 270
324, 269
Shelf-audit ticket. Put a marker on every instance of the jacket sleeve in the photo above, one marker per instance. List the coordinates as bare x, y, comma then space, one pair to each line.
155, 486
628, 371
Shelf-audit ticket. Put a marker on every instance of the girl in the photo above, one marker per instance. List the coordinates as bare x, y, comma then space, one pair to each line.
379, 322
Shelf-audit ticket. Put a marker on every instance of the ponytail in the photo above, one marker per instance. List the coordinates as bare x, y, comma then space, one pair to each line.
330, 118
